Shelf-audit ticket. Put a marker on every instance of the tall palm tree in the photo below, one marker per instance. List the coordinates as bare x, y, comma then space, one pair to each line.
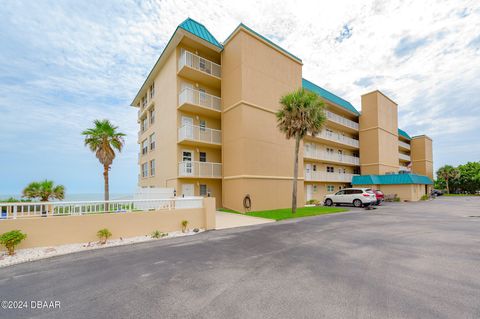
302, 112
103, 139
448, 172
44, 190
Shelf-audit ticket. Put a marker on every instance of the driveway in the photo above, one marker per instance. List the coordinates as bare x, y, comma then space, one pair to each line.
403, 260
231, 220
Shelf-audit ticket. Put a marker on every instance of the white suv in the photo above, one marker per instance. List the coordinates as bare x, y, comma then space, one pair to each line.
356, 196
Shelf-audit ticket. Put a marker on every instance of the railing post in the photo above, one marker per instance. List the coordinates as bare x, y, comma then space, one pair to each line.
15, 212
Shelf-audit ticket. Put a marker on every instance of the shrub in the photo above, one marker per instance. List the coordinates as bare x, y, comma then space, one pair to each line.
424, 197
396, 199
184, 225
103, 235
313, 202
11, 239
158, 234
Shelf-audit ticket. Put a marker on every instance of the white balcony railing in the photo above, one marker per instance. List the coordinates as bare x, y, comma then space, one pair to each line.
47, 209
200, 134
336, 137
320, 154
200, 169
341, 120
404, 157
196, 97
198, 63
404, 145
328, 177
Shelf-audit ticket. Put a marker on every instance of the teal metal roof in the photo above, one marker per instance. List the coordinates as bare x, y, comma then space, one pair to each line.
200, 31
404, 134
264, 38
329, 96
391, 179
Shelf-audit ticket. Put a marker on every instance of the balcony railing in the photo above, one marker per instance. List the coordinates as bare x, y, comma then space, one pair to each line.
335, 137
328, 177
341, 120
323, 155
198, 63
404, 157
200, 169
200, 134
196, 97
404, 145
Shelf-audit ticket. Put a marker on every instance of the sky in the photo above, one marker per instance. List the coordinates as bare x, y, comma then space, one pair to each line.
65, 63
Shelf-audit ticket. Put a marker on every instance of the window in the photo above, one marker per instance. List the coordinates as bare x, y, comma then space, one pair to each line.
356, 170
144, 124
314, 167
329, 150
144, 147
203, 190
330, 188
144, 170
152, 168
203, 125
203, 64
314, 188
152, 115
152, 141
203, 157
342, 192
144, 101
152, 90
330, 169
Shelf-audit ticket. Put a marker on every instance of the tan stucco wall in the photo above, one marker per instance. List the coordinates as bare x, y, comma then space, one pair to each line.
214, 186
378, 134
257, 159
320, 191
422, 155
59, 230
406, 192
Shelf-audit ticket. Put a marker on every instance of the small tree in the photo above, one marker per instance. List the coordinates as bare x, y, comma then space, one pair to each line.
11, 239
103, 235
302, 112
44, 190
184, 225
448, 173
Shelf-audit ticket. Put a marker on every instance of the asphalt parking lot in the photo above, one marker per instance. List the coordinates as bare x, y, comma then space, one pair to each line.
403, 260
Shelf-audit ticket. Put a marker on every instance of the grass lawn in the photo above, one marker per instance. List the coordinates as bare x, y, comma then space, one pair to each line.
286, 213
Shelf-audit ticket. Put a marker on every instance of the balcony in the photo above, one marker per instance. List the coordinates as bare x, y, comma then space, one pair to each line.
199, 69
338, 139
191, 100
328, 177
196, 135
404, 157
403, 145
342, 121
200, 169
330, 157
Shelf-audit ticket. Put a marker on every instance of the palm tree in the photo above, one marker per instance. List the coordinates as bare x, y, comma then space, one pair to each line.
103, 139
44, 190
448, 172
302, 112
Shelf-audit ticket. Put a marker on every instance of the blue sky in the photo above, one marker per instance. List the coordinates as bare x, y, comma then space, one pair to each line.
65, 63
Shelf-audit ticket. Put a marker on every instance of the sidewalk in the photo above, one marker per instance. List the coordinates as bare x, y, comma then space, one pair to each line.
231, 220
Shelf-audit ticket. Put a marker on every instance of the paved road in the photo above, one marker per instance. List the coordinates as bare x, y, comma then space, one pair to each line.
415, 260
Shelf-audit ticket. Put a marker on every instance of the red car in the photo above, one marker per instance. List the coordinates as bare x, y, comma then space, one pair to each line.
379, 195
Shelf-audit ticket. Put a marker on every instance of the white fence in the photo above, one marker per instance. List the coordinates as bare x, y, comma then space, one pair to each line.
336, 137
196, 97
404, 157
404, 145
44, 209
200, 169
328, 177
334, 157
197, 62
341, 120
201, 134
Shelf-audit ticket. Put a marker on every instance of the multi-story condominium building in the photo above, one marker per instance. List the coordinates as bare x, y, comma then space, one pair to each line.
208, 128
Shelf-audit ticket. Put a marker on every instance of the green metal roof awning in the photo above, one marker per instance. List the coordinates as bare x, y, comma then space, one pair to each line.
200, 31
310, 86
391, 179
404, 134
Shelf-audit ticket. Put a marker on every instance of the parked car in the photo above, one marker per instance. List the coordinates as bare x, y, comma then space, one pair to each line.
379, 195
437, 192
357, 196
